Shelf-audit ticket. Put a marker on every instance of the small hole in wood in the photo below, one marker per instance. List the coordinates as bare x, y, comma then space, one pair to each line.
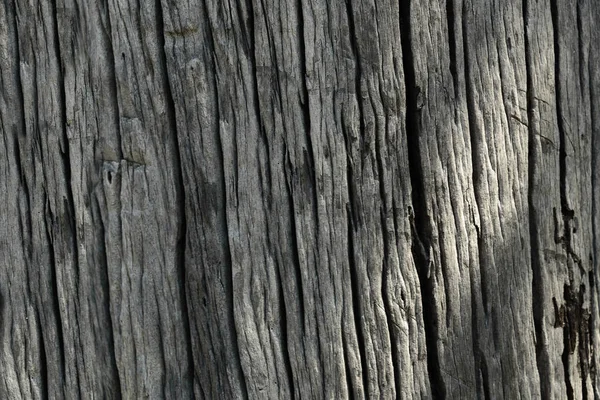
109, 176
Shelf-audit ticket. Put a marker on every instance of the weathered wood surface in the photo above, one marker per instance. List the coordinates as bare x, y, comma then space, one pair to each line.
299, 199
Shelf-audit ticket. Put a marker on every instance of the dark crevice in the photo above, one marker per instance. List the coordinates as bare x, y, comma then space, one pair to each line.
42, 331
348, 371
110, 57
452, 42
584, 339
289, 175
537, 287
20, 91
584, 348
306, 174
566, 211
476, 163
222, 219
358, 67
419, 219
308, 165
68, 207
385, 273
565, 361
180, 247
68, 201
580, 44
483, 368
385, 295
482, 270
246, 26
161, 351
276, 75
55, 291
574, 300
356, 302
266, 189
482, 378
251, 44
285, 343
65, 151
302, 64
105, 283
284, 339
27, 229
577, 334
353, 213
299, 175
443, 265
570, 328
308, 154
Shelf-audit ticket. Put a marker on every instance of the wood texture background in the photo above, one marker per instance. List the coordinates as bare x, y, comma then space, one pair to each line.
299, 199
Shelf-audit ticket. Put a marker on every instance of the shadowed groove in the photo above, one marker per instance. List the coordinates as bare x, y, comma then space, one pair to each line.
353, 213
536, 282
421, 240
181, 242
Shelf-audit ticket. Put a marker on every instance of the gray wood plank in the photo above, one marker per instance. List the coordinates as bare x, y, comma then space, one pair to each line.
299, 199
